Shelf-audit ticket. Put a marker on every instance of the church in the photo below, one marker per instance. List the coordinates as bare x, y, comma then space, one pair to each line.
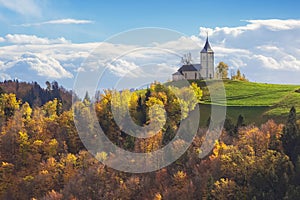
203, 70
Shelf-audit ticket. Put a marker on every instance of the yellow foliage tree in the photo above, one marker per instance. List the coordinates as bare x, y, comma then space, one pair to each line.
8, 105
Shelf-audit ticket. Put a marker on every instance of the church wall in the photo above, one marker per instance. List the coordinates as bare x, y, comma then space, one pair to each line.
202, 72
177, 77
191, 75
204, 64
210, 66
207, 63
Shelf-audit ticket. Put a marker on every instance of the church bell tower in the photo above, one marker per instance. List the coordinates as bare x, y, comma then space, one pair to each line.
207, 61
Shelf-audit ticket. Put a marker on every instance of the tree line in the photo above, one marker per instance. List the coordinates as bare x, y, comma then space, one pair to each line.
35, 95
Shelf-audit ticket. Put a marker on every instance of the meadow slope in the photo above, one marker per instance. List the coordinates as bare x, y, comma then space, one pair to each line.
257, 102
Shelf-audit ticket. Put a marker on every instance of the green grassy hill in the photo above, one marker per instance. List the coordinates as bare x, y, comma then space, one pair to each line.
257, 102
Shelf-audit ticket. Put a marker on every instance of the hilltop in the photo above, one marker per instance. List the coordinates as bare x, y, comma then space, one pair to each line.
257, 102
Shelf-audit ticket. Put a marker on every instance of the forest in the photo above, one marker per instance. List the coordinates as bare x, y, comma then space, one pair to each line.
42, 155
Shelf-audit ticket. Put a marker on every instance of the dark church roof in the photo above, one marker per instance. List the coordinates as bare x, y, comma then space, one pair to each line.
207, 47
177, 73
189, 67
197, 66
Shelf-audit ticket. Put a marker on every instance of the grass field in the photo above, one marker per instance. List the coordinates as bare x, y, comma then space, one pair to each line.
257, 102
251, 114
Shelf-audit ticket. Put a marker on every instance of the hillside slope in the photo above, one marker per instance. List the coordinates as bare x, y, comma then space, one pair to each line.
256, 101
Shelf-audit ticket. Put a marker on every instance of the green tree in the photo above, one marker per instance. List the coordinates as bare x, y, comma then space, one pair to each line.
291, 137
270, 176
229, 126
239, 124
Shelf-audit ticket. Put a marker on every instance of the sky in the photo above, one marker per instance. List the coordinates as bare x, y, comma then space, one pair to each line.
53, 40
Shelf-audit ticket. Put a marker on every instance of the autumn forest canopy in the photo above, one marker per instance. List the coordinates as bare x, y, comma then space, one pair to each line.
43, 157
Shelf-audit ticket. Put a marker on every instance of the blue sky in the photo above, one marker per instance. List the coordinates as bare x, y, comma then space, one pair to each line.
37, 34
111, 17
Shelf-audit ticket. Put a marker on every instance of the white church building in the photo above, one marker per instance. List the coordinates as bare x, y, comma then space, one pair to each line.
203, 70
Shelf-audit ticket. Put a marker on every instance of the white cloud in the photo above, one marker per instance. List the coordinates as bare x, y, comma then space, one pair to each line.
4, 77
43, 59
183, 44
43, 65
32, 39
226, 50
122, 67
23, 7
267, 61
252, 25
2, 39
290, 62
275, 24
268, 48
60, 21
259, 47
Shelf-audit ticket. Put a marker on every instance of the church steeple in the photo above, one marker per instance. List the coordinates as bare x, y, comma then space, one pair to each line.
207, 60
207, 47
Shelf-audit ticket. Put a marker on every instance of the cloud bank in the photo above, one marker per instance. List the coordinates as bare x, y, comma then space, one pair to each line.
31, 39
265, 50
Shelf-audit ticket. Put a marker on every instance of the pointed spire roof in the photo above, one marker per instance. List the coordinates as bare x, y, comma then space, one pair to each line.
207, 47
